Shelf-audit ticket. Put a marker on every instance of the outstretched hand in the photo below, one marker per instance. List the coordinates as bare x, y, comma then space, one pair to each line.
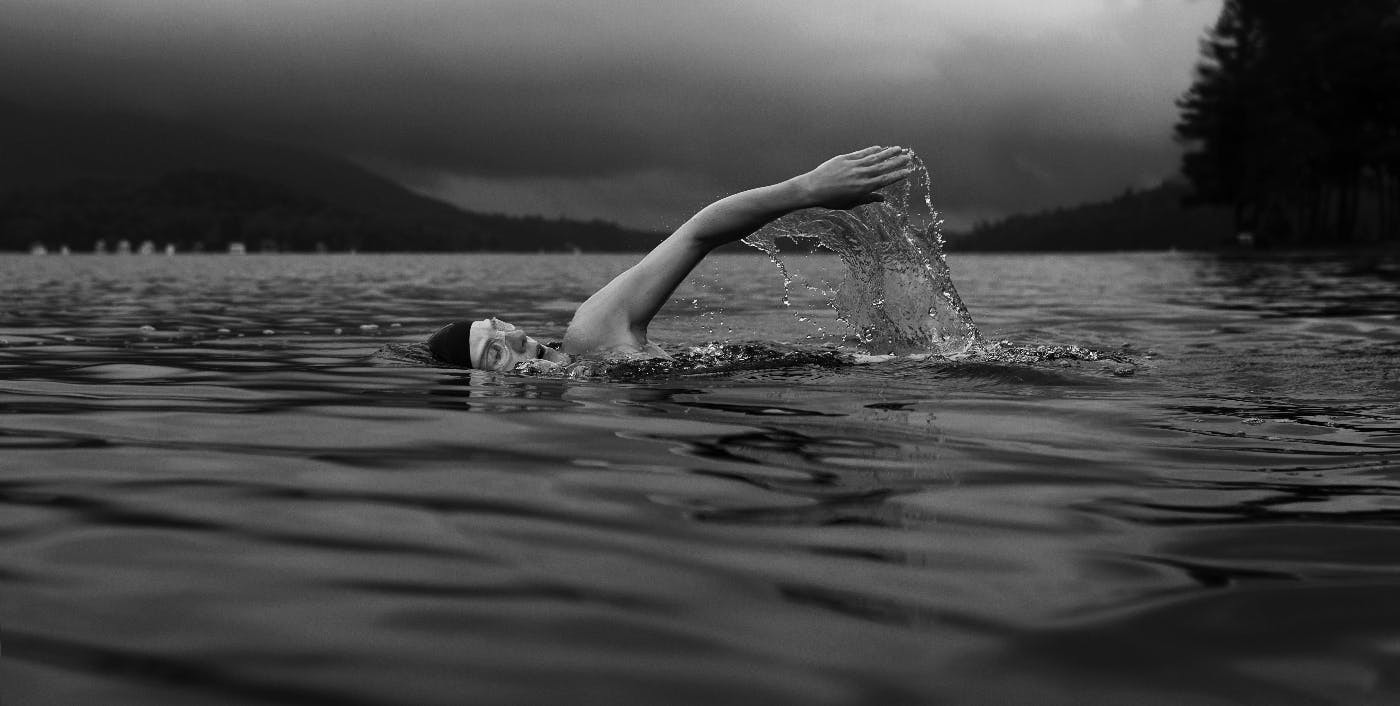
850, 180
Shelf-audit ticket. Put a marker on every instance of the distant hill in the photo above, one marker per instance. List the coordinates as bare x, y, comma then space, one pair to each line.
72, 180
1153, 219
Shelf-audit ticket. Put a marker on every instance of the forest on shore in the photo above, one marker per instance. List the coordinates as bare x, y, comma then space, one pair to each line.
209, 211
1293, 121
1291, 132
1146, 219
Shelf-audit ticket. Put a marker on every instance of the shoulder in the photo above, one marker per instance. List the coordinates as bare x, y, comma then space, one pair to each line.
597, 328
611, 344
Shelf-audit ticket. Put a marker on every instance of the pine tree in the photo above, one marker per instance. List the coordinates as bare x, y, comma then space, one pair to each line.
1292, 119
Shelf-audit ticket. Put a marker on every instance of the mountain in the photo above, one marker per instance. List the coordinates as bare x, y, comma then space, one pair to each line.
1152, 219
74, 179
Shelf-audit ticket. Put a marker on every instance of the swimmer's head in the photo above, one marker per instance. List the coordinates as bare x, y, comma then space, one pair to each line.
488, 344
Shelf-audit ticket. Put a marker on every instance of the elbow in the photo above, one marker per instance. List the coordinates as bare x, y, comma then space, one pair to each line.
696, 237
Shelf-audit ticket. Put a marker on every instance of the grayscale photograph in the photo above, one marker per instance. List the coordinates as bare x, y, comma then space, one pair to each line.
708, 353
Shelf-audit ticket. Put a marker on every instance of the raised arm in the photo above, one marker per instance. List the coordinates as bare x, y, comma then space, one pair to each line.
616, 316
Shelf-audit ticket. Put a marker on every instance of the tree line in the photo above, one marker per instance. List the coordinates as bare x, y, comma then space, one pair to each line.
210, 210
1147, 219
1293, 121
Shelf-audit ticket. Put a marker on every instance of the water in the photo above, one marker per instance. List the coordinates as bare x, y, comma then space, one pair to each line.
895, 293
1204, 511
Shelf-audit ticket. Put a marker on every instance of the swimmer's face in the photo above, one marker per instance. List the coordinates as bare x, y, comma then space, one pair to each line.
497, 345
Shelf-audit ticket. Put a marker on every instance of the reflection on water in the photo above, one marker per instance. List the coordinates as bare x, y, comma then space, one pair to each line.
214, 491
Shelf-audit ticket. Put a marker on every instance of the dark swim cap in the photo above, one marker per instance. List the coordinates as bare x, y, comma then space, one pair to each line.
452, 343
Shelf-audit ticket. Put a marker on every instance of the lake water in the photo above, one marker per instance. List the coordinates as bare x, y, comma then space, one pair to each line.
216, 489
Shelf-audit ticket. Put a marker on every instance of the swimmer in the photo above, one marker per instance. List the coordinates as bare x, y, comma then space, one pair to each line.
613, 322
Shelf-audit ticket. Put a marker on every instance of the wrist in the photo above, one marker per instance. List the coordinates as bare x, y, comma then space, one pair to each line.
798, 193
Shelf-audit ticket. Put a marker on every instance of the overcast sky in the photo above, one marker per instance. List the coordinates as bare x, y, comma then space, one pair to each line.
641, 111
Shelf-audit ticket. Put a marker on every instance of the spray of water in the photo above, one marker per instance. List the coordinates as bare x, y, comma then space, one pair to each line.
897, 293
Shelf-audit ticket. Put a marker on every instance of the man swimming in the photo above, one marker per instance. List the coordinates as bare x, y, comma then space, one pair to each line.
613, 322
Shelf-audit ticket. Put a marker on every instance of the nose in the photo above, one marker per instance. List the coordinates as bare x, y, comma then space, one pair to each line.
516, 340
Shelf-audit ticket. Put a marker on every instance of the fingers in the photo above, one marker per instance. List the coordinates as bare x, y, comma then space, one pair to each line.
859, 154
881, 154
893, 177
869, 170
900, 163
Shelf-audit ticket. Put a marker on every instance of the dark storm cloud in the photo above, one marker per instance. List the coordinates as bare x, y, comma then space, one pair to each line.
642, 110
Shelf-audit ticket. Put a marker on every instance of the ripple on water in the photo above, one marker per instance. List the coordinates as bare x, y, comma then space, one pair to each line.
321, 524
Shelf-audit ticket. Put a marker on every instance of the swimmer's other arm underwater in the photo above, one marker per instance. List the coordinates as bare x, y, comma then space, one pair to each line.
613, 322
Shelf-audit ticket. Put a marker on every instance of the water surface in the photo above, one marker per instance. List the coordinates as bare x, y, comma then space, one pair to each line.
215, 489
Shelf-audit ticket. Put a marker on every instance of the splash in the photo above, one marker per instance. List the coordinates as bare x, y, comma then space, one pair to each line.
707, 359
897, 293
997, 359
1002, 358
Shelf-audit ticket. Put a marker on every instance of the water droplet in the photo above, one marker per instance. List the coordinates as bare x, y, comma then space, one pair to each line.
897, 290
268, 332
